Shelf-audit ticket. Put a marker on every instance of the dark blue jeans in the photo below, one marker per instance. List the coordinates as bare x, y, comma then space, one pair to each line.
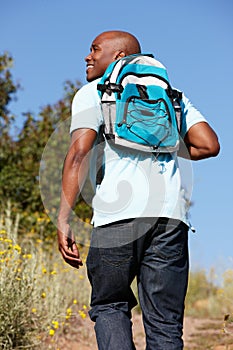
156, 252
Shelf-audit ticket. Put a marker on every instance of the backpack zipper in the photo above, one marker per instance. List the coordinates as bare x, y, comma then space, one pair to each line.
129, 126
124, 121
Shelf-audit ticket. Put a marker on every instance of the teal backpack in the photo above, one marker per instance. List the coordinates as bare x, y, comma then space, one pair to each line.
140, 108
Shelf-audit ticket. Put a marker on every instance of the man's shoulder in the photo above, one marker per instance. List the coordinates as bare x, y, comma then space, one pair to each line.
87, 95
89, 87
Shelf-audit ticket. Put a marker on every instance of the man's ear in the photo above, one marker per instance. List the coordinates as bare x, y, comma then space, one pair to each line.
120, 54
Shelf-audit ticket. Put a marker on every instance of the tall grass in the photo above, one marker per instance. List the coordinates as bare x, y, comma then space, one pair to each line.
43, 300
40, 295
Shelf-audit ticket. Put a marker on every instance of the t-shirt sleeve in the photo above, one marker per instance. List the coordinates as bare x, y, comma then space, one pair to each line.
86, 109
190, 116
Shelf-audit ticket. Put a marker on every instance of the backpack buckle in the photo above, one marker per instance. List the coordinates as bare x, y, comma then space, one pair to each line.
110, 87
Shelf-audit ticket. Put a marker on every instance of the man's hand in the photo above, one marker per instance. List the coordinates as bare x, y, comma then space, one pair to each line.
68, 247
75, 170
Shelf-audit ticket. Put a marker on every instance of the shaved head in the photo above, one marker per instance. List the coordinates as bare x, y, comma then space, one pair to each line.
108, 47
123, 41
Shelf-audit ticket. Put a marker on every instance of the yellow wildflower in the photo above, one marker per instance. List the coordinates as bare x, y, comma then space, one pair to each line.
17, 247
2, 232
75, 301
68, 313
51, 332
84, 307
34, 310
82, 314
53, 272
43, 295
27, 256
40, 220
55, 324
44, 270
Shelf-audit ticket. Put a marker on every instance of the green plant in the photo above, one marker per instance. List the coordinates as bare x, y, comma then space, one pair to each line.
40, 296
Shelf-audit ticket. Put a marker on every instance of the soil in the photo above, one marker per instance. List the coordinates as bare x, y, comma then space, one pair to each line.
199, 334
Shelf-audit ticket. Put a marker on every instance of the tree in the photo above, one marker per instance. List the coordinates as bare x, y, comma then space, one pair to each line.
8, 91
20, 172
30, 177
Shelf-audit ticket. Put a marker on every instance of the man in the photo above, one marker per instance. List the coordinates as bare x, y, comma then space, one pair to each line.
140, 216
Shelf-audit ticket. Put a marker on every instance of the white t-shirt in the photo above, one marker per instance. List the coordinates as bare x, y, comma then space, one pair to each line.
136, 184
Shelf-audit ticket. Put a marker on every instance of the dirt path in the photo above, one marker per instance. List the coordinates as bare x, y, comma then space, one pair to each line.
198, 335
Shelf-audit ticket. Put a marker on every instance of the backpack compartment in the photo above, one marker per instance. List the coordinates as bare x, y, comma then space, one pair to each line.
145, 115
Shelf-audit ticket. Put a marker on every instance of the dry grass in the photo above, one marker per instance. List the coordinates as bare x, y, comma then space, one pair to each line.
44, 301
40, 295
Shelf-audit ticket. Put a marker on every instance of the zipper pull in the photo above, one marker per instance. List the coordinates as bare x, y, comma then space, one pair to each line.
163, 168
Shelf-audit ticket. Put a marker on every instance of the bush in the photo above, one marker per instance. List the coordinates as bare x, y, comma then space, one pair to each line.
205, 299
40, 295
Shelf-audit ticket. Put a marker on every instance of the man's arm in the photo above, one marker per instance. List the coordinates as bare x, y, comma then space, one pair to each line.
75, 171
201, 142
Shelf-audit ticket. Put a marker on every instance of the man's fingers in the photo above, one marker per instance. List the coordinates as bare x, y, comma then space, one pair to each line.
71, 258
70, 253
68, 247
72, 246
74, 249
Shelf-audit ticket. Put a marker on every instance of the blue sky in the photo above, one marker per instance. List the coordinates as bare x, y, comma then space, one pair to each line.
50, 38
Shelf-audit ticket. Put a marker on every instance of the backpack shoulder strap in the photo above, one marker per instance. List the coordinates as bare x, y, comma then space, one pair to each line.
108, 82
176, 97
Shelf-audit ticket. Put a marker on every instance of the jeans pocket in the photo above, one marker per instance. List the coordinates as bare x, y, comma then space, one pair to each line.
171, 241
116, 243
117, 256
